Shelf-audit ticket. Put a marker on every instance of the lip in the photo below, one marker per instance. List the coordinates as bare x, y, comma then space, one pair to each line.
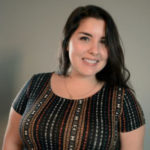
91, 59
90, 64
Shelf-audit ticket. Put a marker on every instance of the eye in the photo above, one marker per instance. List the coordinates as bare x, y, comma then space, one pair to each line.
103, 41
84, 38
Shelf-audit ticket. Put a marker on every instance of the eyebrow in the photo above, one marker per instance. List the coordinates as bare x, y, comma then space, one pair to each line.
88, 34
85, 33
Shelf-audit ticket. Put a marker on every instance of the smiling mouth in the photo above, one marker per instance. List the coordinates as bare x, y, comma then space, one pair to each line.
91, 61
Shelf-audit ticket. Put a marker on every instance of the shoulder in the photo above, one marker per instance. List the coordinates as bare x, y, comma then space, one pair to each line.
31, 89
41, 75
132, 116
115, 90
122, 91
39, 80
126, 94
126, 104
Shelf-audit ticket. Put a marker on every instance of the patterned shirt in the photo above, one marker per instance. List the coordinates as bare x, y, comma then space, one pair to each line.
51, 122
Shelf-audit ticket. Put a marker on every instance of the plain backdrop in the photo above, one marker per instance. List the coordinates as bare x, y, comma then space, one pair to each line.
30, 37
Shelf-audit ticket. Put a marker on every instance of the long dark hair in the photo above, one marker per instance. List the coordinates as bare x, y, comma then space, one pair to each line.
115, 72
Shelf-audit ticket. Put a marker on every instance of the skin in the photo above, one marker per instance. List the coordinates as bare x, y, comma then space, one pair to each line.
133, 140
12, 140
88, 41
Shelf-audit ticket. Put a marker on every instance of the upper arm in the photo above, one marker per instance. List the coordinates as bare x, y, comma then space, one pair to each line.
133, 140
131, 124
12, 138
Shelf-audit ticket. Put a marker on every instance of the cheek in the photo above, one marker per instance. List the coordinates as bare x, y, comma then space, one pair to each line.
75, 49
104, 53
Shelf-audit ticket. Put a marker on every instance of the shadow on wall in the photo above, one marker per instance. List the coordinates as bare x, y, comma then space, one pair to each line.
10, 63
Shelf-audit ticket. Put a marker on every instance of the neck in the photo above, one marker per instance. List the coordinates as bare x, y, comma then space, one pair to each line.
78, 79
78, 86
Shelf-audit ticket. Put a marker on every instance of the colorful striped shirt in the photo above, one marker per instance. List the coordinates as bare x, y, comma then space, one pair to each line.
51, 122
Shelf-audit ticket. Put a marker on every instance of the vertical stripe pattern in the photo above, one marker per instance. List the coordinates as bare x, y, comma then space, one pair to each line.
50, 122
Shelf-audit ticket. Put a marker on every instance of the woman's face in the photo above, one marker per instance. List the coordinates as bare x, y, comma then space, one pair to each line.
88, 53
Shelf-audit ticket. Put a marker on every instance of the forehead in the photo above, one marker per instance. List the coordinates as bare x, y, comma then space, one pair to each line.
92, 25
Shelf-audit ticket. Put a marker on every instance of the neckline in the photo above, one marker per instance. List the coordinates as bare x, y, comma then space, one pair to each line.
79, 99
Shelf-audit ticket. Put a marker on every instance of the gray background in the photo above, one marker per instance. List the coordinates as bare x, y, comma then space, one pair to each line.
30, 35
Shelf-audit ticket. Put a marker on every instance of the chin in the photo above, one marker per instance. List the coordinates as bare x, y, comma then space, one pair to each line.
88, 73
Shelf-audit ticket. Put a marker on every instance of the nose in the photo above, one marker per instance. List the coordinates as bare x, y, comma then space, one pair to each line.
94, 49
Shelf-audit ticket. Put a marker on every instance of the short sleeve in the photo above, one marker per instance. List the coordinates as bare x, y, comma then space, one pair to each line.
20, 101
132, 116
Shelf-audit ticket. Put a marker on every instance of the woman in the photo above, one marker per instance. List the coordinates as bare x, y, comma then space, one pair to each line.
87, 104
